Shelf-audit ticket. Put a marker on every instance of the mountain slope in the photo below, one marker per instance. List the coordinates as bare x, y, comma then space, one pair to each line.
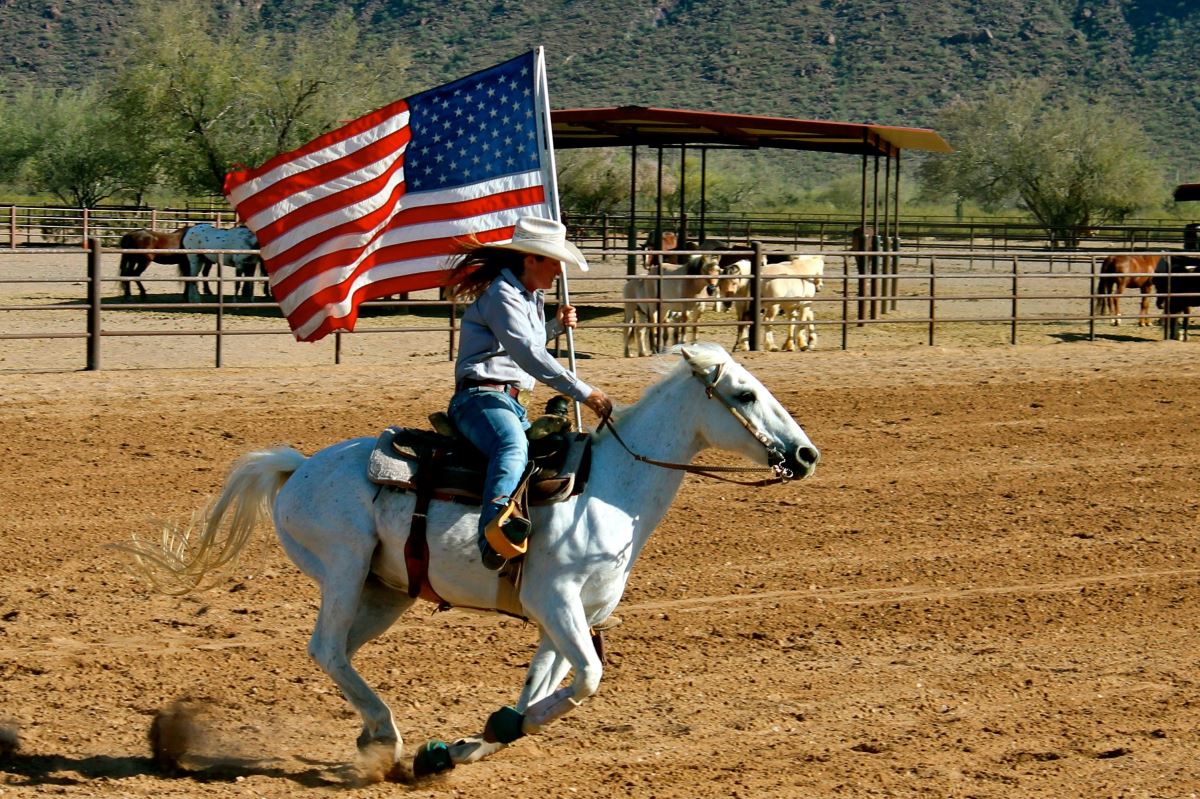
856, 60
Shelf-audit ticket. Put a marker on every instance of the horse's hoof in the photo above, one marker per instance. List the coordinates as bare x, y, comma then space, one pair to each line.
432, 758
504, 726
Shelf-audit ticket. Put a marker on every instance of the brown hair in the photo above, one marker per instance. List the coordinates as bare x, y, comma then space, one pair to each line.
475, 269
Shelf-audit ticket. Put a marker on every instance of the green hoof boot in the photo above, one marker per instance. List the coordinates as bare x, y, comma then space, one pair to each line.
504, 726
432, 758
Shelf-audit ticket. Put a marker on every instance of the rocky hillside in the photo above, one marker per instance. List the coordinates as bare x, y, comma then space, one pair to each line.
857, 60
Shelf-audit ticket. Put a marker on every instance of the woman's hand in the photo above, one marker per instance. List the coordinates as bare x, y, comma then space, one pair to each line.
567, 316
599, 403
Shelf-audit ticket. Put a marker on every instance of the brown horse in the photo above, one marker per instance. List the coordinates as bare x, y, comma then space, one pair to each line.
134, 264
1120, 272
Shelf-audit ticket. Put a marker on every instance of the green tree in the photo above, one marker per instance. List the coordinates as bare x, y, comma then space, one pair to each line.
1070, 163
230, 92
593, 182
72, 144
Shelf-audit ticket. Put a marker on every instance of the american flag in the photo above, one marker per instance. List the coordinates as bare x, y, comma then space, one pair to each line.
374, 207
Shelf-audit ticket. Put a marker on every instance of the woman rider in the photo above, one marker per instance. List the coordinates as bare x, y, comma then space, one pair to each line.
502, 352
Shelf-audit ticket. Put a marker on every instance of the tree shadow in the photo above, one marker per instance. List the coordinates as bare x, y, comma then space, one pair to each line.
1076, 337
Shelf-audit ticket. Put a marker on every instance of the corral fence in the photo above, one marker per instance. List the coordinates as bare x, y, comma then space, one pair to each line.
23, 226
927, 296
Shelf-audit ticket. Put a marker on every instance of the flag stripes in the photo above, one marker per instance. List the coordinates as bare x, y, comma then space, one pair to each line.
374, 208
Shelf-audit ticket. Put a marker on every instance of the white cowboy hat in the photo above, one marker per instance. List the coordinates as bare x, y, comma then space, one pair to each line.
544, 237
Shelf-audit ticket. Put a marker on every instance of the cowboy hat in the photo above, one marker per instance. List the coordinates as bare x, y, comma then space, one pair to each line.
546, 238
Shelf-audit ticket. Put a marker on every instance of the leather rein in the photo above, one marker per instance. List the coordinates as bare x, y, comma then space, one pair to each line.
781, 474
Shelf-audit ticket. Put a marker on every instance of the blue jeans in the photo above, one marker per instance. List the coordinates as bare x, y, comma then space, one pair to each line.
495, 423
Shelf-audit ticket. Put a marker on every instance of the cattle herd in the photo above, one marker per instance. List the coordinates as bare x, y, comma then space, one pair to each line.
680, 287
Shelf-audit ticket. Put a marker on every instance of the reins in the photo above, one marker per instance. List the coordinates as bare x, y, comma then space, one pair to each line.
780, 472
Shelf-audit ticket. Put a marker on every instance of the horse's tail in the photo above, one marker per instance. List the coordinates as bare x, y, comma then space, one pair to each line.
128, 261
1106, 284
178, 564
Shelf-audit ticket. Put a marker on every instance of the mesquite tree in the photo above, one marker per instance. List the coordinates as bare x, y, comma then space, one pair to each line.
229, 91
1070, 163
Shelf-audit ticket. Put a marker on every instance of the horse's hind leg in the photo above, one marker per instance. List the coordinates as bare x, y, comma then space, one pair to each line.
1144, 316
378, 608
355, 609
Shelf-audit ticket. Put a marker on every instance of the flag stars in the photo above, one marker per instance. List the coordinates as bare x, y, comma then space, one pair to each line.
472, 133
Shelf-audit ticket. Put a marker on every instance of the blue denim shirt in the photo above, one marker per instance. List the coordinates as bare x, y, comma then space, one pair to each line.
503, 340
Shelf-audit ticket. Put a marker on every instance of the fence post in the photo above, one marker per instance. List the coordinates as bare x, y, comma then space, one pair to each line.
453, 325
85, 224
895, 272
1092, 298
876, 257
845, 301
220, 326
755, 293
93, 315
1015, 288
932, 296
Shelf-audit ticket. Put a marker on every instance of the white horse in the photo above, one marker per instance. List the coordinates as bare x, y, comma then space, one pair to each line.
349, 536
207, 237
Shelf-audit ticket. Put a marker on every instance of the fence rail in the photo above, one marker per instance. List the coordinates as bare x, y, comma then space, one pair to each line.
941, 291
49, 225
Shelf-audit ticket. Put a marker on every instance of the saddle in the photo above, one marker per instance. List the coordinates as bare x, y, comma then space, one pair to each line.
441, 464
404, 456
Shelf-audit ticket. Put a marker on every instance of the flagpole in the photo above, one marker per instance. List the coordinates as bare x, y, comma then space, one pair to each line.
551, 184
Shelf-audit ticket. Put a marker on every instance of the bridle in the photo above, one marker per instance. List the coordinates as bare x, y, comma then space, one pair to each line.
776, 459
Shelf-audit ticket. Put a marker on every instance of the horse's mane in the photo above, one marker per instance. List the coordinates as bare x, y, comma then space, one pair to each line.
704, 356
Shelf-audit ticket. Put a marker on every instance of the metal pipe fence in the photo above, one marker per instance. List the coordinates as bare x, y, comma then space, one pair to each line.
940, 292
52, 225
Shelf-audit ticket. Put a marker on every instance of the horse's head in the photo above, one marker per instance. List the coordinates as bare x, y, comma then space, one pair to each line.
744, 417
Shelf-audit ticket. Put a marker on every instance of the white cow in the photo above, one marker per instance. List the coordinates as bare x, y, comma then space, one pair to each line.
787, 291
683, 284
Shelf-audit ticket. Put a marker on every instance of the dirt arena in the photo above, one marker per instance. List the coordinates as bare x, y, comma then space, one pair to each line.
989, 589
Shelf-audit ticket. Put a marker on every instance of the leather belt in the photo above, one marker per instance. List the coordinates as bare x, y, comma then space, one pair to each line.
511, 389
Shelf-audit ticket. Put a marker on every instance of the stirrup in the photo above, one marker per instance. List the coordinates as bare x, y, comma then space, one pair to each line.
508, 533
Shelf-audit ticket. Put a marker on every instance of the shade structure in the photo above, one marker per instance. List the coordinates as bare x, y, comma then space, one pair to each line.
575, 128
1186, 192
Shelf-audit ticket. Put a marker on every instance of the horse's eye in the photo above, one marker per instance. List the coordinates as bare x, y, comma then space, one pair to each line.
746, 396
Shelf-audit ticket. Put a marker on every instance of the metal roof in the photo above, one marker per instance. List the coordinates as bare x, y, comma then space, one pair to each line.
634, 124
1183, 192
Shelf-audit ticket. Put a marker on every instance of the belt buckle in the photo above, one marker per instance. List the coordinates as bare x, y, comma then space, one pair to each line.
523, 396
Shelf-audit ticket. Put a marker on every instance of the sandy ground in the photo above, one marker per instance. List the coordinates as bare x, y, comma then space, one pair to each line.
989, 589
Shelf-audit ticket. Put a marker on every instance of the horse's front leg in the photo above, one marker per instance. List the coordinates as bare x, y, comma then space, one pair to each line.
546, 671
567, 644
564, 623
